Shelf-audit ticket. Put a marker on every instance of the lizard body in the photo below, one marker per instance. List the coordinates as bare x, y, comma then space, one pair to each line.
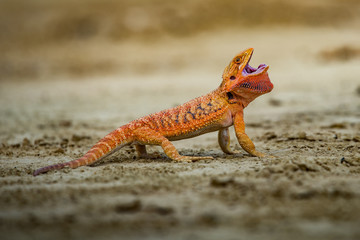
215, 111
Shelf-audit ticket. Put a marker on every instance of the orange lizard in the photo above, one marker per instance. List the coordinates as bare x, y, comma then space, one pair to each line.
216, 111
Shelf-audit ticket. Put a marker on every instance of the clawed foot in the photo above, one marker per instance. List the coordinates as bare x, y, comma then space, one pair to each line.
231, 152
263, 155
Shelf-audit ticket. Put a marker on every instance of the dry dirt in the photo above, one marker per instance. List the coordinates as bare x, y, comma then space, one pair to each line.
310, 123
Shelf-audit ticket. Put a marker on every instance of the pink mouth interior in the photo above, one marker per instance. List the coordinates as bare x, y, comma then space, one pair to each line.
250, 70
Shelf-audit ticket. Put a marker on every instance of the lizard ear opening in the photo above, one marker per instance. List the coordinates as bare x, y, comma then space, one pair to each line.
230, 95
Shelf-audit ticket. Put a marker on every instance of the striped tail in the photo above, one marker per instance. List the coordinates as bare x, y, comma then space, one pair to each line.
107, 145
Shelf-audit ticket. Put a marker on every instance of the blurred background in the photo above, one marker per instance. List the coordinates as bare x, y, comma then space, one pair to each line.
43, 39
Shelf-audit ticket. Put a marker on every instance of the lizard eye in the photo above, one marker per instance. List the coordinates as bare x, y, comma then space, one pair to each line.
237, 60
232, 77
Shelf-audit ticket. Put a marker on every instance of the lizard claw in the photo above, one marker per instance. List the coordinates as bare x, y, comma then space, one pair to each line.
233, 152
261, 155
265, 156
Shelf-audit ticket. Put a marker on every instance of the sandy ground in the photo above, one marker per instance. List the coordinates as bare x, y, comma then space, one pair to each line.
310, 122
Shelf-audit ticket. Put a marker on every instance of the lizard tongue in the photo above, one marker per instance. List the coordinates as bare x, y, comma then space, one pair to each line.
248, 70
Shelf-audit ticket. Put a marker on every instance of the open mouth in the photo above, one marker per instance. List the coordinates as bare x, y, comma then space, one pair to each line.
256, 79
249, 70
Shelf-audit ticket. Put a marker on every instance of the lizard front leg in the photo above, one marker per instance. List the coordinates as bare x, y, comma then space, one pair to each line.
243, 139
145, 135
224, 141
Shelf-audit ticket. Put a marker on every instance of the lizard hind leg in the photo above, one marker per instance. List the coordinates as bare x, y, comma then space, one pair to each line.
150, 137
142, 153
141, 150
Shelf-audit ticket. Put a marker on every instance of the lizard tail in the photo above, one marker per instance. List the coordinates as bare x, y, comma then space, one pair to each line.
107, 145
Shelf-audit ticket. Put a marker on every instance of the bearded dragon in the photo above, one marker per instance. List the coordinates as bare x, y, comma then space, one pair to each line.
215, 111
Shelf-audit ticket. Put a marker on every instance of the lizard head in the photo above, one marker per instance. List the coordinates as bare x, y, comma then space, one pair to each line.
244, 81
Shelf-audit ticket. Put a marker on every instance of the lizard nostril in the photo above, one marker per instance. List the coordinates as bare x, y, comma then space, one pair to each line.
232, 77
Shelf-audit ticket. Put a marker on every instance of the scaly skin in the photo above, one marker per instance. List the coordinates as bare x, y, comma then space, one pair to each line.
216, 111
